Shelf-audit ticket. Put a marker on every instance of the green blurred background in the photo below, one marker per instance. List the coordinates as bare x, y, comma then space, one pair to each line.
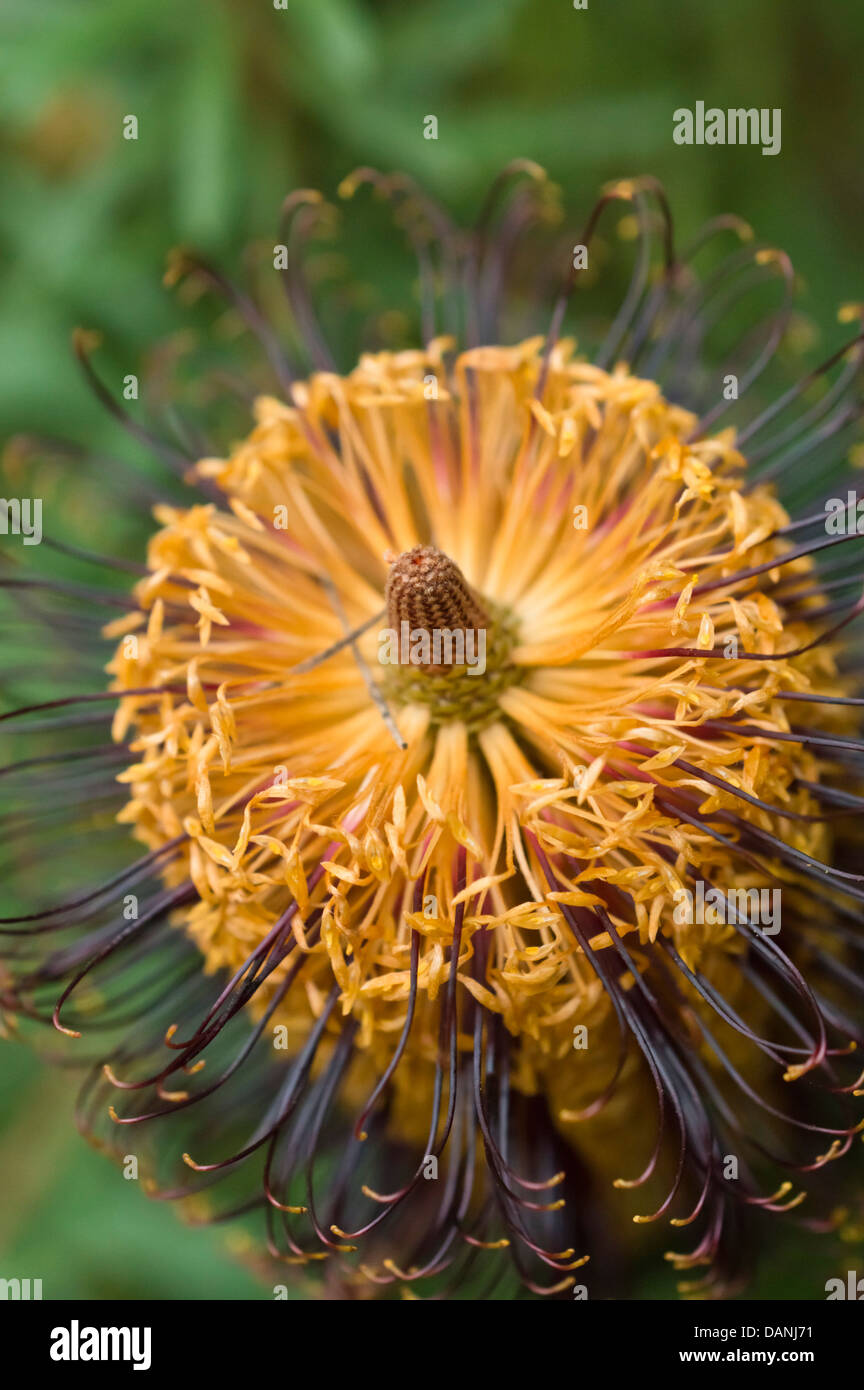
238, 103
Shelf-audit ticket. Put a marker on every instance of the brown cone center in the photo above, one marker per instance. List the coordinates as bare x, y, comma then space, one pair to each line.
426, 590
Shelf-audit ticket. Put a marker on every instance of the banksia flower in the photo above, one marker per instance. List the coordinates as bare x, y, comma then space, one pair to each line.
446, 976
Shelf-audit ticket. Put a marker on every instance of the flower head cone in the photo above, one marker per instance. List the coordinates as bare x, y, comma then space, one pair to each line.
439, 940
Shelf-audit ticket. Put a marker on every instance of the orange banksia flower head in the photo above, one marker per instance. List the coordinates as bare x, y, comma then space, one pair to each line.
487, 718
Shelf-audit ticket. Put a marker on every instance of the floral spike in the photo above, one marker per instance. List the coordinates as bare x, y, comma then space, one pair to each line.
429, 959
